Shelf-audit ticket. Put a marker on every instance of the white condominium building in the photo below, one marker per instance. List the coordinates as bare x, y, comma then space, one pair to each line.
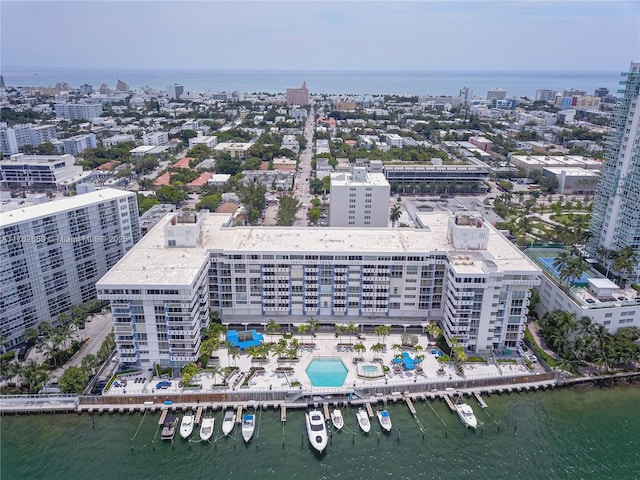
455, 270
39, 171
359, 199
53, 254
78, 111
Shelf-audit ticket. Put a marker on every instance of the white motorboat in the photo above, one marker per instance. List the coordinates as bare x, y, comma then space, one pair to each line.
206, 428
169, 427
317, 430
336, 419
186, 426
248, 426
385, 419
363, 420
465, 412
228, 422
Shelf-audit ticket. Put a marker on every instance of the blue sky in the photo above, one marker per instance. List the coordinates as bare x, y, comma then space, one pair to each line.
335, 35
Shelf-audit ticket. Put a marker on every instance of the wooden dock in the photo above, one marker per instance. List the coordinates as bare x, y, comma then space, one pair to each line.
412, 409
239, 414
325, 407
480, 400
198, 415
447, 398
163, 415
283, 413
369, 409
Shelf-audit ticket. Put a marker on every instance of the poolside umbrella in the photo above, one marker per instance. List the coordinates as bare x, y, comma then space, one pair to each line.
396, 360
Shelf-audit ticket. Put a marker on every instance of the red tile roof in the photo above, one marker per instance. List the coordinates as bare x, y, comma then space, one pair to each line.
163, 179
201, 180
182, 163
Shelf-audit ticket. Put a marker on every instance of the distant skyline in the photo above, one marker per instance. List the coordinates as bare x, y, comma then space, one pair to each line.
327, 35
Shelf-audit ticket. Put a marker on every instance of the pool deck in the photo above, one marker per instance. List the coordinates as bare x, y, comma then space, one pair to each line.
326, 345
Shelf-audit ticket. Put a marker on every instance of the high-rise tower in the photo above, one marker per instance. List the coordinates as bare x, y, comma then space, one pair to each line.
615, 219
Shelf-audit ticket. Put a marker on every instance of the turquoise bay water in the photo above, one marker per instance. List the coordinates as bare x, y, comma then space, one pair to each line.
562, 434
326, 372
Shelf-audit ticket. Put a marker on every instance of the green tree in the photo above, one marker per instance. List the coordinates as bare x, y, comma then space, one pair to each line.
209, 202
272, 328
313, 215
145, 203
302, 329
170, 194
73, 380
252, 197
200, 152
33, 376
289, 206
359, 348
396, 213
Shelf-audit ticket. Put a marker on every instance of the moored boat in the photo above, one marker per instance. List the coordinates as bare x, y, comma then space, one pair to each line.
317, 430
336, 419
206, 428
186, 426
385, 419
363, 420
169, 427
466, 415
228, 422
248, 426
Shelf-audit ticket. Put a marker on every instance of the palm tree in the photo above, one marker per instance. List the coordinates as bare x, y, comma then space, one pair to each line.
232, 352
383, 331
280, 348
292, 350
377, 348
339, 331
606, 255
395, 214
302, 329
434, 330
351, 329
313, 325
560, 263
33, 376
272, 328
359, 348
625, 261
397, 347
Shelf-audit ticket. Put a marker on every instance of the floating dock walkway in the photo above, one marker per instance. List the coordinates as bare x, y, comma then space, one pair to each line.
412, 409
480, 400
163, 415
447, 398
239, 414
198, 415
325, 407
369, 409
283, 413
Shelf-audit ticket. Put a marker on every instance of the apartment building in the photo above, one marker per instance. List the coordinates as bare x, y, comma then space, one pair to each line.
359, 199
155, 139
615, 222
17, 136
453, 269
298, 96
78, 111
54, 253
79, 143
40, 171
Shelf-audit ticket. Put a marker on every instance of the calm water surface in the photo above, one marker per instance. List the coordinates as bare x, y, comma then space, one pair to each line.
563, 434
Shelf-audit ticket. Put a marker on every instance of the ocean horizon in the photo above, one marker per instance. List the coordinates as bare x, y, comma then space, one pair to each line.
346, 82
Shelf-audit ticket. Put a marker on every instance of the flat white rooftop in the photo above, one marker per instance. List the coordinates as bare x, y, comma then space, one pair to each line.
61, 205
151, 263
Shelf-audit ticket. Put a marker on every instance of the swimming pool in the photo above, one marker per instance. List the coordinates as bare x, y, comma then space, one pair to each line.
327, 372
370, 370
